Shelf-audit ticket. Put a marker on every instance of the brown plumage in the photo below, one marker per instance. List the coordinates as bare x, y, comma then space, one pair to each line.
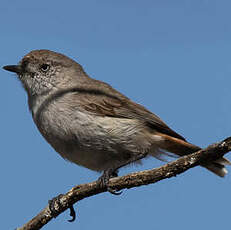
88, 122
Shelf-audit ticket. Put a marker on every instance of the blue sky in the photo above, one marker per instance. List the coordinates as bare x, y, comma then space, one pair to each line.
174, 57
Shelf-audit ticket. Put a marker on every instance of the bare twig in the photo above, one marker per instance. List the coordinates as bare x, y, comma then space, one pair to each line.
132, 180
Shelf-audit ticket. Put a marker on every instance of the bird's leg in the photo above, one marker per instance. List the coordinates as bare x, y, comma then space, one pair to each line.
113, 172
104, 180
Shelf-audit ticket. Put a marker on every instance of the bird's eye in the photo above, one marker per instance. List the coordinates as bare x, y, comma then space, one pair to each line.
44, 67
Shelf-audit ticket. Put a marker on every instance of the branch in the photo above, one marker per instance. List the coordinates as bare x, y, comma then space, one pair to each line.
132, 180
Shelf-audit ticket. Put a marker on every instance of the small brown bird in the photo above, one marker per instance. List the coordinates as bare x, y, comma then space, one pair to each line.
91, 124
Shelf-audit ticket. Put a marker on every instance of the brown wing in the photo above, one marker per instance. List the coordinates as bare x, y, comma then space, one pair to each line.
103, 100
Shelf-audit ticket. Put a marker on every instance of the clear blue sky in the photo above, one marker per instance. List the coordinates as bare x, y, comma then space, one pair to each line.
174, 57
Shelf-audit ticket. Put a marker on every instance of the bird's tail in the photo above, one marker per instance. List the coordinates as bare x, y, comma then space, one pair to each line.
181, 148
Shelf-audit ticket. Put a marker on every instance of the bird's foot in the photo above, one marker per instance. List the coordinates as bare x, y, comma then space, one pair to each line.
104, 180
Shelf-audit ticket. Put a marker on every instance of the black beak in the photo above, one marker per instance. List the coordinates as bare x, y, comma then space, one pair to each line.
13, 68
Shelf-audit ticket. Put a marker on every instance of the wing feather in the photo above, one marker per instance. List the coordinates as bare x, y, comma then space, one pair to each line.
106, 101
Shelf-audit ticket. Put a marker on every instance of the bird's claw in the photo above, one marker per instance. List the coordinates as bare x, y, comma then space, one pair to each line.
104, 180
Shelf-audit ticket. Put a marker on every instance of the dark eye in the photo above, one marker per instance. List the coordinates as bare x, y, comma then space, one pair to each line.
44, 67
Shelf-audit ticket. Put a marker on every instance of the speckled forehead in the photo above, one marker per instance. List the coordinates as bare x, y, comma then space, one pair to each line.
30, 58
36, 56
47, 56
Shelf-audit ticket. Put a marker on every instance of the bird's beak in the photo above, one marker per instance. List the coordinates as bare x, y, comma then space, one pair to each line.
13, 68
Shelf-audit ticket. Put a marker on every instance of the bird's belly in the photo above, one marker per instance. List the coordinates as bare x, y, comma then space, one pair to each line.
94, 160
97, 143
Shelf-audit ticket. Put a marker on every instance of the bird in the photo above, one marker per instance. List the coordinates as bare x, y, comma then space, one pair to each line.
90, 123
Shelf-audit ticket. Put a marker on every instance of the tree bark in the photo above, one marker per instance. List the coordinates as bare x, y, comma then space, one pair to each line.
132, 180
